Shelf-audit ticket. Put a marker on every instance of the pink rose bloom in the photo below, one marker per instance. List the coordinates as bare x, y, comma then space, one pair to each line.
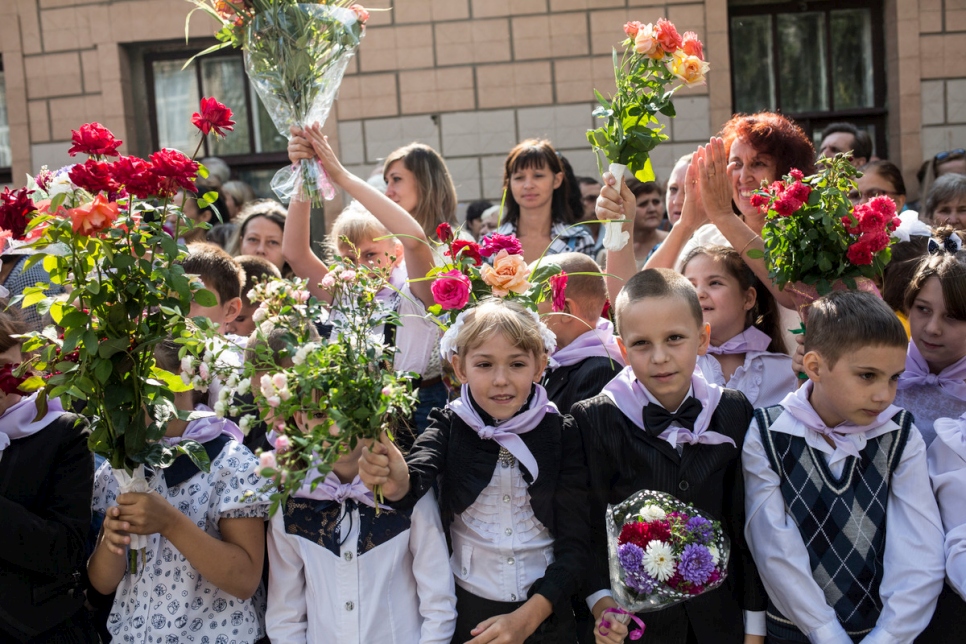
558, 292
668, 36
280, 381
497, 242
451, 290
692, 45
282, 444
646, 44
273, 401
327, 282
508, 273
267, 460
348, 276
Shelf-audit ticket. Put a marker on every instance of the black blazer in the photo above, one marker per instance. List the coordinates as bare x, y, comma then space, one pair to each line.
451, 449
624, 459
568, 385
46, 484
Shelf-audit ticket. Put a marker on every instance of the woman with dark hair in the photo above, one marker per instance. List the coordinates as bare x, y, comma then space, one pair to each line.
538, 209
880, 178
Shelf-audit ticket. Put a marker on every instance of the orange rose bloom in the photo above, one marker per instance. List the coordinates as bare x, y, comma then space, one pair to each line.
93, 217
508, 273
689, 69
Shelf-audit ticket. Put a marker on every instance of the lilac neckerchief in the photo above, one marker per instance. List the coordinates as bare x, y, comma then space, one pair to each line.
507, 433
397, 280
332, 489
952, 432
598, 342
751, 339
205, 429
631, 397
18, 420
798, 405
952, 379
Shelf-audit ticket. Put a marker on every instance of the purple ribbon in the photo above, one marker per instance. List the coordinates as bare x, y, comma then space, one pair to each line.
631, 397
952, 379
205, 429
798, 405
18, 420
507, 433
332, 489
635, 634
751, 339
598, 342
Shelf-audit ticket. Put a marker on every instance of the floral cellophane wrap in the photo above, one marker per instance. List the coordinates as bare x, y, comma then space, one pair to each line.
804, 294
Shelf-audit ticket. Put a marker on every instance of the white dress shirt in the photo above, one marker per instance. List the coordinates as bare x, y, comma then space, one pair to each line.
500, 548
394, 593
947, 469
913, 558
765, 378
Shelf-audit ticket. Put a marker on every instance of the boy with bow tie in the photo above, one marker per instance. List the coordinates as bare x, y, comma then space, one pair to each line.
842, 521
659, 425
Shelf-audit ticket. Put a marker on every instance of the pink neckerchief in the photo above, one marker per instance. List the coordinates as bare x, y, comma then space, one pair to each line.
798, 405
332, 489
507, 433
951, 380
207, 428
952, 432
751, 339
598, 342
631, 397
18, 420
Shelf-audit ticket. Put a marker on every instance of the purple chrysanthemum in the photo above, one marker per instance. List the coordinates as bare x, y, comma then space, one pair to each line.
630, 556
701, 528
640, 582
696, 564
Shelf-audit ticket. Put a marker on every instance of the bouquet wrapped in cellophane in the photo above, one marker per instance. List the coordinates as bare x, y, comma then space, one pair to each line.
662, 552
295, 55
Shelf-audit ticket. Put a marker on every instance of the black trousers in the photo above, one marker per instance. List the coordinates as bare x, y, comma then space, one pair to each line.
559, 628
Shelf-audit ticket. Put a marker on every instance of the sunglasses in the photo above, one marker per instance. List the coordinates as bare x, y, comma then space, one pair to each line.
950, 154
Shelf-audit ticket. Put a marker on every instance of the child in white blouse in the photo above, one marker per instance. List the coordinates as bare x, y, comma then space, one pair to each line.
934, 382
841, 519
747, 349
203, 565
339, 572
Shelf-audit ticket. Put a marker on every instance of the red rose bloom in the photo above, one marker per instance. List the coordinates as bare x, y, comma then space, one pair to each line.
659, 530
214, 116
884, 205
759, 200
796, 174
444, 232
692, 45
94, 139
637, 533
877, 241
9, 383
93, 176
174, 170
16, 211
137, 176
558, 292
668, 36
799, 191
463, 249
859, 253
786, 205
497, 242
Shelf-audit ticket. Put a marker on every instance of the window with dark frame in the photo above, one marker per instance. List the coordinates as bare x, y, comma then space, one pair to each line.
818, 62
254, 150
6, 155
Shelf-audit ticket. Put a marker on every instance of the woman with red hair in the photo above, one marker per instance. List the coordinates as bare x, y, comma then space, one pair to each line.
750, 150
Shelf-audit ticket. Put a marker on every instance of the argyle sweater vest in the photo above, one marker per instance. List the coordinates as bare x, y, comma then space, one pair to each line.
842, 520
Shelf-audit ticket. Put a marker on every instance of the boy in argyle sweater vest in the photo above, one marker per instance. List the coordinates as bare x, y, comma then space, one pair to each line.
841, 519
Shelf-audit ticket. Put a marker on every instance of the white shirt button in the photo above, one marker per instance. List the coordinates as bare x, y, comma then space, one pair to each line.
513, 598
510, 560
464, 572
348, 556
509, 532
349, 605
506, 498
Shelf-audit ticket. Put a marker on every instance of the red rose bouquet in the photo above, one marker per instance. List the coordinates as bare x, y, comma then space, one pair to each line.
816, 241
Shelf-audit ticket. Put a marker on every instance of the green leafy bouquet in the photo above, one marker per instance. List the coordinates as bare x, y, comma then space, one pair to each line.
816, 241
295, 54
344, 385
654, 57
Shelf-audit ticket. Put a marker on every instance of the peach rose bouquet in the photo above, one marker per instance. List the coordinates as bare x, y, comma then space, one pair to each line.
655, 56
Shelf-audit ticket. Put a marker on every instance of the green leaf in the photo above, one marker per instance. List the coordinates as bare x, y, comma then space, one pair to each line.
102, 370
32, 384
196, 452
109, 347
204, 297
754, 253
171, 381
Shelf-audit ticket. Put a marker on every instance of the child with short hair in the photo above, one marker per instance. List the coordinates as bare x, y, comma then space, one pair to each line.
841, 518
934, 382
659, 425
339, 571
587, 355
746, 350
511, 477
222, 276
46, 476
257, 269
204, 559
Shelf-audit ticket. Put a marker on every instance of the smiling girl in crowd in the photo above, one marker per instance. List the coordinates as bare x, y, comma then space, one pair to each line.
511, 477
260, 233
934, 382
537, 208
747, 350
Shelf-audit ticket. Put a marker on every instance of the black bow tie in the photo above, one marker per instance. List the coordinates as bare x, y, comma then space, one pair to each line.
657, 418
